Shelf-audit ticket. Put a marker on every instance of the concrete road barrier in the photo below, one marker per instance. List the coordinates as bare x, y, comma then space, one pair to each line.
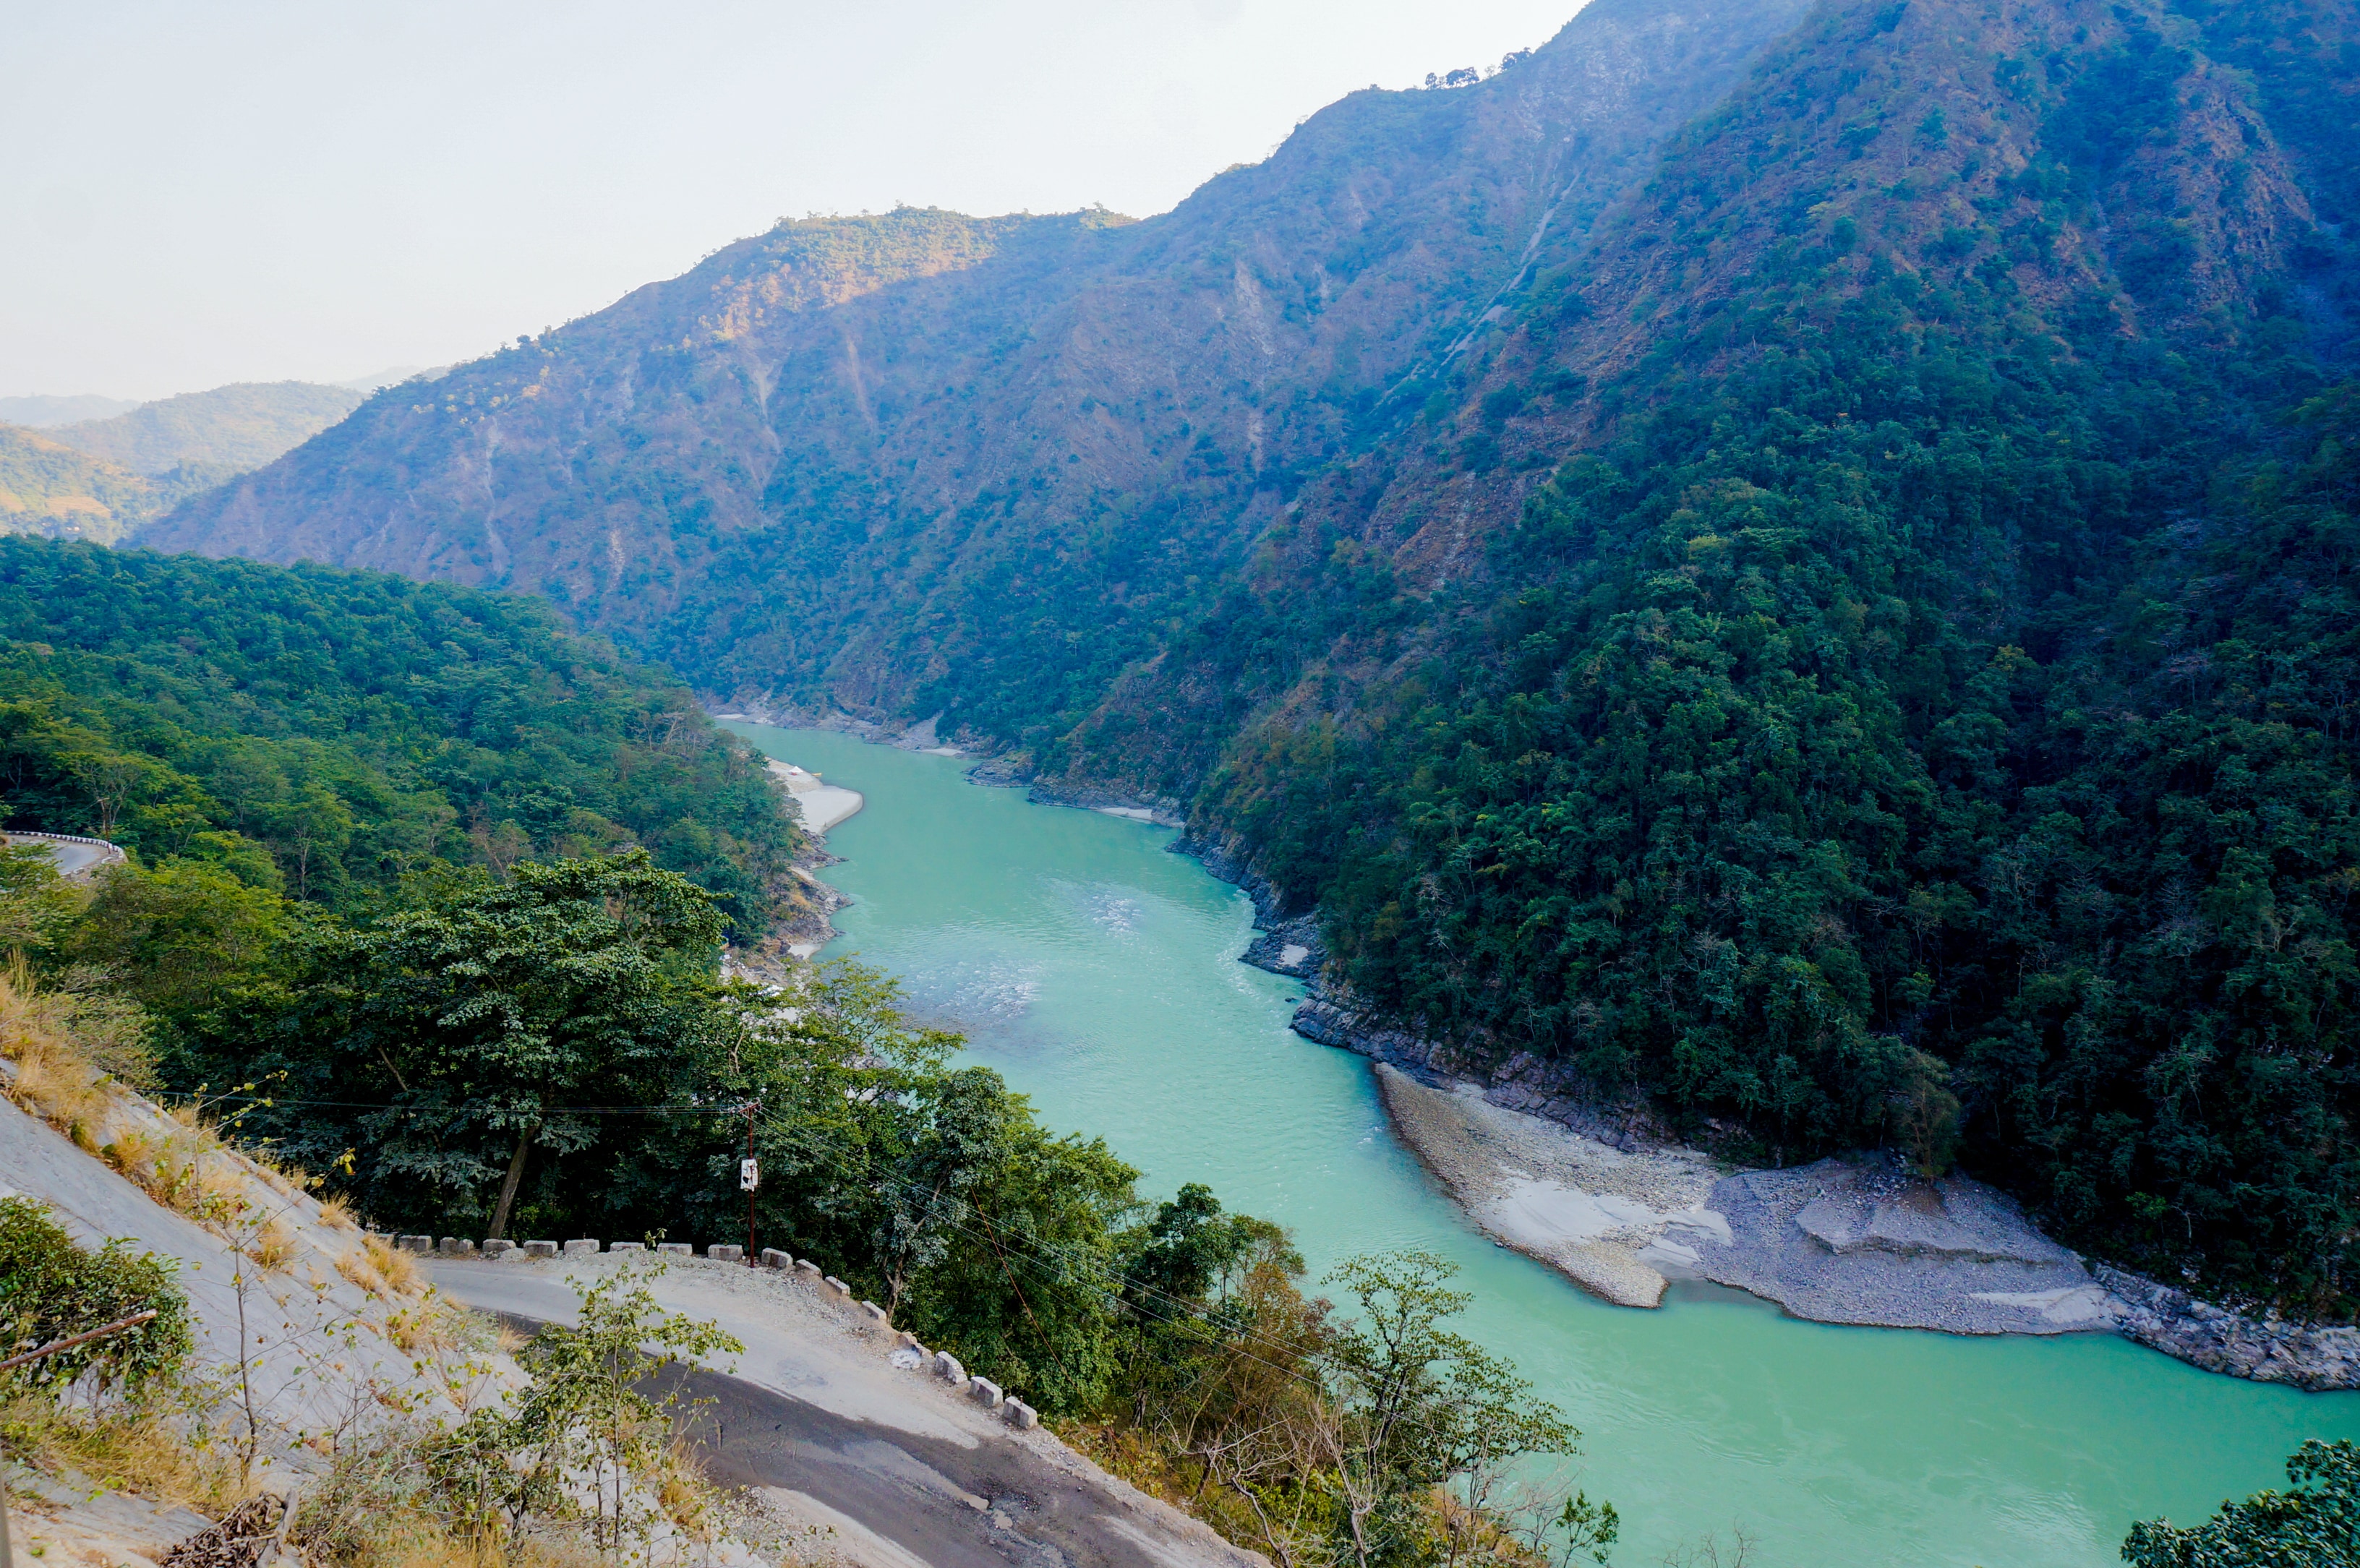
985, 1392
1020, 1414
581, 1246
540, 1249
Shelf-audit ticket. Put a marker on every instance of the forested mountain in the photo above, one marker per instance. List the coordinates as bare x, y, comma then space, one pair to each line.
822, 461
1798, 565
341, 738
227, 430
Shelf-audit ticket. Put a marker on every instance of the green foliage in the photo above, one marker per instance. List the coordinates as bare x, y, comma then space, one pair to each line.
1423, 1405
471, 1025
329, 735
2315, 1523
1921, 717
51, 1289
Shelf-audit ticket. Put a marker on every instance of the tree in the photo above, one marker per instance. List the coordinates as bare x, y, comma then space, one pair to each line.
189, 941
487, 1020
2315, 1524
1418, 1407
952, 1129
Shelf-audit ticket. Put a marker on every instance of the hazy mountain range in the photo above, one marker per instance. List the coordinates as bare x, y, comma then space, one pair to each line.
95, 477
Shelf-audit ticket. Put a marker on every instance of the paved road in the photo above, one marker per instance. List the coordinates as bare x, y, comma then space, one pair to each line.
911, 1474
70, 858
946, 1504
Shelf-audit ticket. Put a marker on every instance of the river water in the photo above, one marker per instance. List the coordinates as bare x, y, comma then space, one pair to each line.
1097, 972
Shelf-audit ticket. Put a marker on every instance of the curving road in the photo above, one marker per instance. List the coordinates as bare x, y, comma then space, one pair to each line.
910, 1473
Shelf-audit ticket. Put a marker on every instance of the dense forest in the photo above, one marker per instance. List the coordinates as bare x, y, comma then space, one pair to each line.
334, 736
1921, 717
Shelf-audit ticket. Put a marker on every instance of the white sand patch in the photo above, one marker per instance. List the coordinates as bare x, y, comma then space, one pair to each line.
1293, 953
819, 805
1597, 1214
1129, 814
2069, 1304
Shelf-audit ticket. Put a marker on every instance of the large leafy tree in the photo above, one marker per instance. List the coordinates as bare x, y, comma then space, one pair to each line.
508, 1016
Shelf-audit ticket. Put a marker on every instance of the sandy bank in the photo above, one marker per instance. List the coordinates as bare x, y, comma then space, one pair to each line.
1588, 1209
819, 805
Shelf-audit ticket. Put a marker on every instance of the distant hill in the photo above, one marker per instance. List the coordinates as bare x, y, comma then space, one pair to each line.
376, 381
231, 428
51, 489
41, 410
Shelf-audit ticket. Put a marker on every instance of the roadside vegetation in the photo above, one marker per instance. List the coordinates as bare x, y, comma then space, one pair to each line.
551, 1052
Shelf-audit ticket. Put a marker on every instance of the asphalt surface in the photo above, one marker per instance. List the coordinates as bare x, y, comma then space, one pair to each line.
909, 1473
946, 1504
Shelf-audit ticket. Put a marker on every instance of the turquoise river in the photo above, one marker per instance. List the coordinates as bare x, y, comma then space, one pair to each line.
1097, 972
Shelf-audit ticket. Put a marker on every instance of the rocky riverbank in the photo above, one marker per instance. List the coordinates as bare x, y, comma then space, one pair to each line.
1613, 1204
1606, 1196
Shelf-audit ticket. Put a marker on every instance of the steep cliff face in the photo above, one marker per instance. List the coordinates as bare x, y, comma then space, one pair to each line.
846, 457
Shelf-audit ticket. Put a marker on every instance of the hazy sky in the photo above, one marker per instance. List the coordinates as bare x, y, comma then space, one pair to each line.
234, 192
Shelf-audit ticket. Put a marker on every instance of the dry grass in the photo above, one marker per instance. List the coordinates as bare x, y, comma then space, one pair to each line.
125, 1450
355, 1267
52, 1082
336, 1214
274, 1246
379, 1269
423, 1328
685, 1493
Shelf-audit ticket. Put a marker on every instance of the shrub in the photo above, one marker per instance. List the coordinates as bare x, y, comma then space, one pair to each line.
51, 1289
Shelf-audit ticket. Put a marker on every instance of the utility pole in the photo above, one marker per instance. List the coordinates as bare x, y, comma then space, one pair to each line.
749, 1176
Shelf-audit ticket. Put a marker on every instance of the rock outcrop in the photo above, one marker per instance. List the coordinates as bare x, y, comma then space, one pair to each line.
2266, 1349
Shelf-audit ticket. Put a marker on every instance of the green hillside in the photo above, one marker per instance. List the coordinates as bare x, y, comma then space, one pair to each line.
1916, 715
227, 430
336, 737
59, 491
